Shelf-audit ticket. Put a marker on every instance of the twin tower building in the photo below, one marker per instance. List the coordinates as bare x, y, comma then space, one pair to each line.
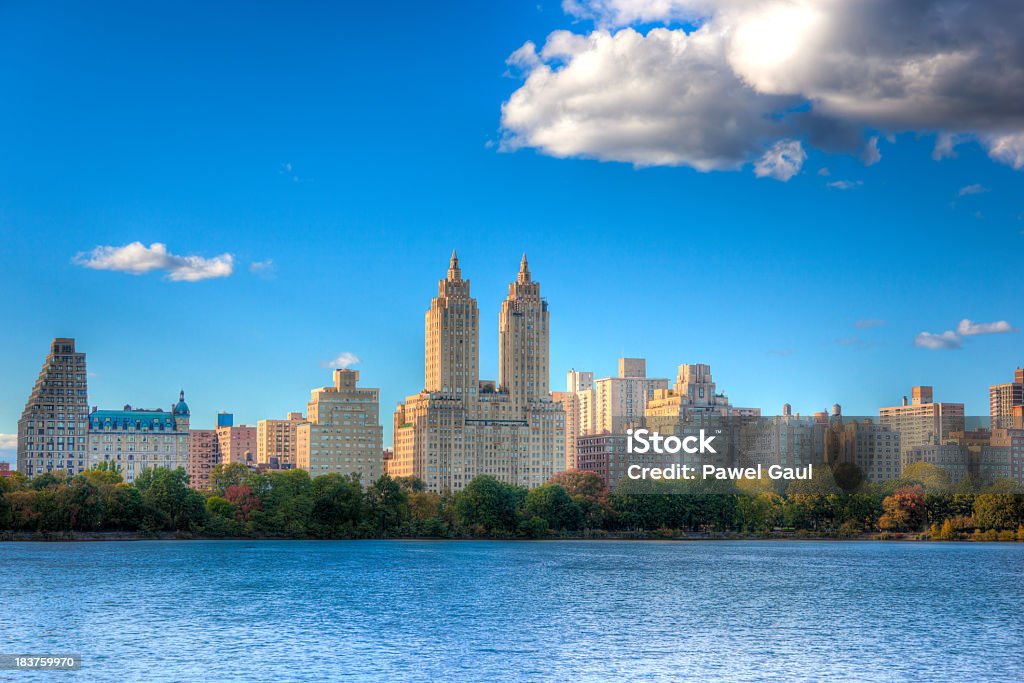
457, 428
460, 426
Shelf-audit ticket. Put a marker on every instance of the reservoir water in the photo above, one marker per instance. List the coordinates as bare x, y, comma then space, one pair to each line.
495, 611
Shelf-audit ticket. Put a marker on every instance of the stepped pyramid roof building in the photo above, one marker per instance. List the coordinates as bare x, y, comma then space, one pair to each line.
52, 429
460, 426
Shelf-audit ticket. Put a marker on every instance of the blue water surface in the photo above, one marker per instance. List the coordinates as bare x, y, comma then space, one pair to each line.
494, 611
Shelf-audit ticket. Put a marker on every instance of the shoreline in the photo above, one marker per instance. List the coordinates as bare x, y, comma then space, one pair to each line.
109, 536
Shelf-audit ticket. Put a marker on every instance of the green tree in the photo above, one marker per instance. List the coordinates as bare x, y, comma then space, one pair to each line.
288, 502
81, 505
386, 505
167, 501
489, 505
411, 484
581, 483
221, 516
6, 512
47, 480
553, 504
590, 494
24, 515
232, 474
337, 505
998, 511
932, 477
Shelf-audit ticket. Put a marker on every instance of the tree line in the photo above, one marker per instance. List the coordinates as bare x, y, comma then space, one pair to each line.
291, 504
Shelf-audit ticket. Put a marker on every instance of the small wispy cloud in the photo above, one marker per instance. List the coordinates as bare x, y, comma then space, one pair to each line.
287, 169
342, 360
855, 342
969, 328
845, 184
137, 259
264, 269
869, 323
945, 146
8, 442
782, 161
871, 154
783, 353
929, 340
976, 188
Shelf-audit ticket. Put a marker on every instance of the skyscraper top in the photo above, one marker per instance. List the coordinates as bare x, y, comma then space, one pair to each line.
524, 269
454, 272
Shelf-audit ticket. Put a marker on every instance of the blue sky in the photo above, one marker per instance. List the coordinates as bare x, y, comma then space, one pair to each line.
353, 147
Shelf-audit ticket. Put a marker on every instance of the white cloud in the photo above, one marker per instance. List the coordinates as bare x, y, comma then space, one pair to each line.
869, 323
264, 269
871, 154
136, 259
845, 184
342, 360
782, 161
612, 13
945, 146
8, 442
966, 328
969, 328
661, 99
1008, 149
972, 189
833, 75
946, 340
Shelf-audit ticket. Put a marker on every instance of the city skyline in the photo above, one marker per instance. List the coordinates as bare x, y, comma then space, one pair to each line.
306, 218
351, 360
344, 360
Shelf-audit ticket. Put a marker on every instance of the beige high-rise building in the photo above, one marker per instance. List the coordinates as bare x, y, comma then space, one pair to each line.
922, 422
692, 398
577, 404
342, 434
276, 440
459, 427
874, 448
621, 401
236, 443
1004, 398
523, 341
605, 406
786, 440
53, 427
452, 363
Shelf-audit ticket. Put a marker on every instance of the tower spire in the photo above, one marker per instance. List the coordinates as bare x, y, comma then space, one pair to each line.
454, 272
524, 269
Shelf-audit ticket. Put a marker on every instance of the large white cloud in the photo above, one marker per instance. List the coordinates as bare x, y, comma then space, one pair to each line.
136, 258
646, 99
754, 72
